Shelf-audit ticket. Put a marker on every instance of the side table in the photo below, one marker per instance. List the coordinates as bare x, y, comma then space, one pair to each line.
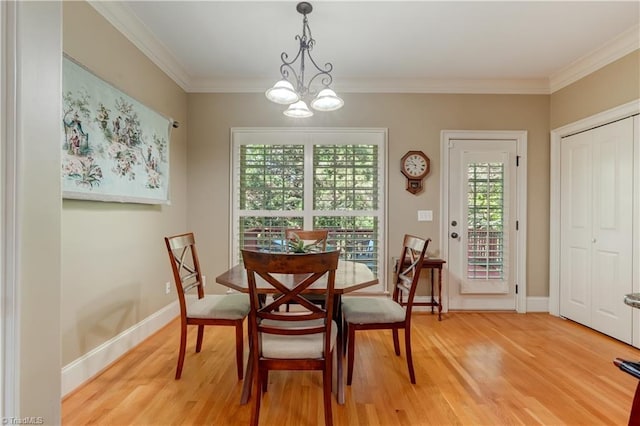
433, 264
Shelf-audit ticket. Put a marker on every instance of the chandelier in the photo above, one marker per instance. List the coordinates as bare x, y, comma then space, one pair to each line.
293, 88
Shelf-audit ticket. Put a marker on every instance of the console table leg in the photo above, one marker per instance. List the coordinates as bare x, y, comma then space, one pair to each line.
439, 294
433, 300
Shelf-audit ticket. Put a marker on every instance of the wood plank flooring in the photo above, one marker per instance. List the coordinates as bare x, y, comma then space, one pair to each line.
471, 369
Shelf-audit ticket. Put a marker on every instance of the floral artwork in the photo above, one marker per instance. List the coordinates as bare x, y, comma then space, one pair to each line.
113, 147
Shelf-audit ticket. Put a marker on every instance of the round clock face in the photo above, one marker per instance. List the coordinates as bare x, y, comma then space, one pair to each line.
415, 165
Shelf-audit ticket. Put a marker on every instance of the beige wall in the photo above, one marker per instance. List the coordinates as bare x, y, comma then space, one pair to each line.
414, 122
114, 264
609, 87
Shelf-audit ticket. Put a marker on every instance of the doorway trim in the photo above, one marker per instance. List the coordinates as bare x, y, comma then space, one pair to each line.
605, 117
520, 136
9, 218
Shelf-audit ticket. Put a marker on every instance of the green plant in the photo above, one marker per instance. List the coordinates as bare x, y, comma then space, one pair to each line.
297, 244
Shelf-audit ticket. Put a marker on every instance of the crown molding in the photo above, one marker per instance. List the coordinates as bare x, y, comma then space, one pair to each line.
125, 21
476, 86
454, 86
611, 51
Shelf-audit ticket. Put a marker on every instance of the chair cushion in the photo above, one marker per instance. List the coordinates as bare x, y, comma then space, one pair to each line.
295, 347
370, 310
219, 306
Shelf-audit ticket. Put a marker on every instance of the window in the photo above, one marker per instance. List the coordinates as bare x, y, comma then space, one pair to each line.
301, 178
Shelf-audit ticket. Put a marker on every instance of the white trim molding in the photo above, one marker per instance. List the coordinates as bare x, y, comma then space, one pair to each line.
538, 86
520, 136
620, 46
537, 304
9, 266
93, 362
124, 20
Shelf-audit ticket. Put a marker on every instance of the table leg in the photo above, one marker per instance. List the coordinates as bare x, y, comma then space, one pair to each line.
248, 374
433, 300
439, 294
337, 316
248, 379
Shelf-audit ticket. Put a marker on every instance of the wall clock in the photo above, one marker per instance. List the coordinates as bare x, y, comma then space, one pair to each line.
415, 165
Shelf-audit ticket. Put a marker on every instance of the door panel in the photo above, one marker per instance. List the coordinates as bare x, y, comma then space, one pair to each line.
576, 213
482, 240
612, 230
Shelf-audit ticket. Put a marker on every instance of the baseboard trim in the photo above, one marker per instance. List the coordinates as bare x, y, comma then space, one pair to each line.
93, 362
537, 304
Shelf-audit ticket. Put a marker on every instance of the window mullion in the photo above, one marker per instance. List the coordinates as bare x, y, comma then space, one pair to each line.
308, 209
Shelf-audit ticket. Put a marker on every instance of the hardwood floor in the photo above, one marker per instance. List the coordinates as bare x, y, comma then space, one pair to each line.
471, 369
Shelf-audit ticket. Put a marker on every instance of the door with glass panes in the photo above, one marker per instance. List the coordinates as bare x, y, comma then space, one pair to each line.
482, 224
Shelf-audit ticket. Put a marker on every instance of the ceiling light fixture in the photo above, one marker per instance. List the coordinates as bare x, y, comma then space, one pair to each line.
292, 89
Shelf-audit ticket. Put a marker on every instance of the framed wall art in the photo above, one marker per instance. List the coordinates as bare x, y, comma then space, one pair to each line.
113, 147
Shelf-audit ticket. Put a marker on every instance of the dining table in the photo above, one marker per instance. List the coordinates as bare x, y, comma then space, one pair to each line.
350, 276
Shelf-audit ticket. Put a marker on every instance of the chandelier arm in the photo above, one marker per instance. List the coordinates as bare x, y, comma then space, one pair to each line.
324, 78
285, 70
327, 79
284, 57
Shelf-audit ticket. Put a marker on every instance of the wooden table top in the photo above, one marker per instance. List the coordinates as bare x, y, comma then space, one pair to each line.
433, 262
350, 276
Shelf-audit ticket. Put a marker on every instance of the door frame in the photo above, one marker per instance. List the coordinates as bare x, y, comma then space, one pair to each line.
9, 219
520, 137
602, 118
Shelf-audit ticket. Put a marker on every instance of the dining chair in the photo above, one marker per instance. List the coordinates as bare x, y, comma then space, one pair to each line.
300, 340
380, 313
314, 240
202, 309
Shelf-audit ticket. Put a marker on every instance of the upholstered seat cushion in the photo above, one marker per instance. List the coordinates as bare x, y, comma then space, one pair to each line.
295, 347
371, 310
219, 306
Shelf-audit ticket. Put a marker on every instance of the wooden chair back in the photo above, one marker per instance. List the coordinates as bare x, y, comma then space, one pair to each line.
414, 250
290, 275
185, 266
315, 238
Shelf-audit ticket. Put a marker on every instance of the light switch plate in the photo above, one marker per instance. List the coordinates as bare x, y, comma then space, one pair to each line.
425, 215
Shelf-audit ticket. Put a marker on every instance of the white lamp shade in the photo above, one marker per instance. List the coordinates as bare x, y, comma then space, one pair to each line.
282, 93
327, 100
298, 110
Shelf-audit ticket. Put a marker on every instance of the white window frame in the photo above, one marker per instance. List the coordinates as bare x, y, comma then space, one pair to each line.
305, 136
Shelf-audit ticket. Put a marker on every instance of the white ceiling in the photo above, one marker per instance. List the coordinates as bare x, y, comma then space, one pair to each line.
383, 46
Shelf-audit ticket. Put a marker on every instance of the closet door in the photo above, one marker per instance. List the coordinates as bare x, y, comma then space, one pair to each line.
576, 219
596, 223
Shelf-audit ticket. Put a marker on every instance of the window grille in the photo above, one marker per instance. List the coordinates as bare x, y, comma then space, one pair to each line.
485, 220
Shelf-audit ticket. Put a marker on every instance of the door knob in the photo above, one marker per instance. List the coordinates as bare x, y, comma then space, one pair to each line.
454, 235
